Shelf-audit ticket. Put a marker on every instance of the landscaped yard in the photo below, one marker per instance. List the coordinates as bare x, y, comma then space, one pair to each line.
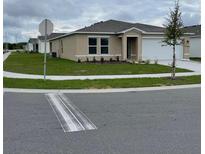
32, 63
98, 84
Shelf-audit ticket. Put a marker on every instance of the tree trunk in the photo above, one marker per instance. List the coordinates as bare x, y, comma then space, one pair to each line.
174, 63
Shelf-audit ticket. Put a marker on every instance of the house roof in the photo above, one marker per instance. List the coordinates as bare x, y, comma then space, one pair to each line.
115, 26
52, 35
196, 29
33, 40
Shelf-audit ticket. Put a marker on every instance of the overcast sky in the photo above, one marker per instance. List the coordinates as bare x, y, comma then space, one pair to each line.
22, 17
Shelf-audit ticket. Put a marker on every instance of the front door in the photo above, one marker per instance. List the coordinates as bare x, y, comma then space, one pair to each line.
129, 47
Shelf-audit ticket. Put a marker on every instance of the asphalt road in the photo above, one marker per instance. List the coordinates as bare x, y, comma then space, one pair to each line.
151, 122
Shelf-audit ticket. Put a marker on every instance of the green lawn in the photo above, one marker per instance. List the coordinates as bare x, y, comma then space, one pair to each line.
98, 84
32, 63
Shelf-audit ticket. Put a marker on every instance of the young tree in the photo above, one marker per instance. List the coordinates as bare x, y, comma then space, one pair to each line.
173, 32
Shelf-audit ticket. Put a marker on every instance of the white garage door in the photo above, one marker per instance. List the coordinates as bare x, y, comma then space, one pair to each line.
152, 49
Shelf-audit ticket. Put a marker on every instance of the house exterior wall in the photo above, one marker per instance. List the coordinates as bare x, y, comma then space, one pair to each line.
65, 47
82, 49
150, 47
41, 46
195, 47
55, 47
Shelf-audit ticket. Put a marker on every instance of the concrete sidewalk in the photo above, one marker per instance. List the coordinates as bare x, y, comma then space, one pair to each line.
92, 77
6, 55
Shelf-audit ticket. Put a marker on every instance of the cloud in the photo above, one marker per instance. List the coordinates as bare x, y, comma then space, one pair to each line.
22, 17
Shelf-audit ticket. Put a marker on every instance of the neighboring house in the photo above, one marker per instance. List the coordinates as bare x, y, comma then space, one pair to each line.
195, 40
41, 42
41, 45
116, 39
32, 45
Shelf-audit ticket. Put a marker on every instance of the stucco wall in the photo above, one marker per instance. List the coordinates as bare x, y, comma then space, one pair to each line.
82, 50
55, 46
66, 49
195, 47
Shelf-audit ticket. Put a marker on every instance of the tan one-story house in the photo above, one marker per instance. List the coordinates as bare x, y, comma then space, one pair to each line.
117, 39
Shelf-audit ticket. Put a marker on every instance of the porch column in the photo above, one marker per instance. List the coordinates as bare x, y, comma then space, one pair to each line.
124, 47
186, 46
139, 50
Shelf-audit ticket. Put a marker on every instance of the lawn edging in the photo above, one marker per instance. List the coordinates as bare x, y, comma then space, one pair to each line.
99, 84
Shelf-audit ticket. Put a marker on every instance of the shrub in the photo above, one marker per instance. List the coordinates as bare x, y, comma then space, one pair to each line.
155, 61
147, 61
102, 60
118, 58
87, 59
79, 61
94, 60
140, 61
111, 60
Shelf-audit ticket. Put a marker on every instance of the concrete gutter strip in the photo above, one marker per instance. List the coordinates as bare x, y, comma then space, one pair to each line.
115, 90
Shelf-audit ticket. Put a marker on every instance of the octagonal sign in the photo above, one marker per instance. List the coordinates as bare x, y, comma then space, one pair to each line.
46, 27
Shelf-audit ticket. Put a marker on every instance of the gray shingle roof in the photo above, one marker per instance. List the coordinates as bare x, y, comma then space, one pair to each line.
118, 26
193, 29
52, 35
33, 40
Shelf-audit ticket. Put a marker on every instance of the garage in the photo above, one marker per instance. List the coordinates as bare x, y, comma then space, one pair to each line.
195, 47
152, 49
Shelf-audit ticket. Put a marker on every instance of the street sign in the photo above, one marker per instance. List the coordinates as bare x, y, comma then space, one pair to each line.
45, 28
46, 25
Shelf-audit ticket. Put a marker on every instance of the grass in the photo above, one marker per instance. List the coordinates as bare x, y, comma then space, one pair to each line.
32, 63
98, 84
198, 59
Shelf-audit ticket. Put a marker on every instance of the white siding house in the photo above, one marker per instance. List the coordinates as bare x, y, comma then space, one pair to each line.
41, 45
32, 45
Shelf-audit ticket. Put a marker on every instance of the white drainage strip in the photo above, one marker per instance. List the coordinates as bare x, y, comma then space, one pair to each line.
69, 116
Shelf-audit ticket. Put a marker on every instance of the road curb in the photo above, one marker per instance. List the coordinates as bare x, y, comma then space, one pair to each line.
115, 90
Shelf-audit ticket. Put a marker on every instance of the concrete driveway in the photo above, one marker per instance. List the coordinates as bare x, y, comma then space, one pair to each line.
186, 64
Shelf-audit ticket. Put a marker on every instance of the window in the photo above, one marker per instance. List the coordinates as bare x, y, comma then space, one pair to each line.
104, 45
92, 45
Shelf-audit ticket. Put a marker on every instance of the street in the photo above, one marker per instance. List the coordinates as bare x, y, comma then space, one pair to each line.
144, 122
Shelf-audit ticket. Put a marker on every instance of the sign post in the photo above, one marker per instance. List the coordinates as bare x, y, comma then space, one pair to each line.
45, 28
